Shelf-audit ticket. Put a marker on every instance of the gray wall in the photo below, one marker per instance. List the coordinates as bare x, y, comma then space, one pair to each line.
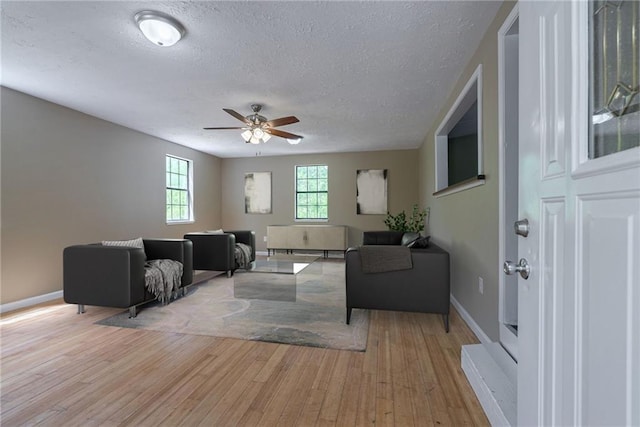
402, 166
70, 178
466, 223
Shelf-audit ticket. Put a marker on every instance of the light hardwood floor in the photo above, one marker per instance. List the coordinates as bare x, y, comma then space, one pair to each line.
59, 368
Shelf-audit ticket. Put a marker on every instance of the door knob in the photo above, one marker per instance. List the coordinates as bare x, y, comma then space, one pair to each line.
522, 267
521, 227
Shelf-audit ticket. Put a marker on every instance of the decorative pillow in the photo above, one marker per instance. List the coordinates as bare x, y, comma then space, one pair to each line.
133, 243
408, 238
421, 243
219, 231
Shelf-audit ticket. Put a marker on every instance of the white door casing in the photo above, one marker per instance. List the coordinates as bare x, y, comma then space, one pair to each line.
579, 311
508, 178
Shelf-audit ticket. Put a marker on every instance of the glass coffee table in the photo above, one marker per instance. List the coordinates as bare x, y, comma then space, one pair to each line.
283, 264
274, 278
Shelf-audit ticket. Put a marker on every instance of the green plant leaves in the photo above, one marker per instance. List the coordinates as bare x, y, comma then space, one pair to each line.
415, 223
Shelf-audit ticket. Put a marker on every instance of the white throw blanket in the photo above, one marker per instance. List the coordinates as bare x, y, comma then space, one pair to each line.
162, 277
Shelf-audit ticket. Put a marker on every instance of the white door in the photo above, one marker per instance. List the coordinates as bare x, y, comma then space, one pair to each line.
579, 310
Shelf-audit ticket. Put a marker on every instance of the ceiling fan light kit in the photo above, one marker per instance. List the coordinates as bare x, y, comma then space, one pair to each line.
258, 129
255, 136
159, 28
247, 135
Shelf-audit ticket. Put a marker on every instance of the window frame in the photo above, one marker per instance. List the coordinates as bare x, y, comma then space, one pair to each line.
189, 190
471, 92
297, 191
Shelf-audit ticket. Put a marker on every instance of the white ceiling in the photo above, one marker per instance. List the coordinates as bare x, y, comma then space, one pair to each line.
360, 76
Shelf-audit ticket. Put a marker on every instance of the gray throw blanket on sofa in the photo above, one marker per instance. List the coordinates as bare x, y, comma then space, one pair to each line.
162, 277
382, 258
243, 255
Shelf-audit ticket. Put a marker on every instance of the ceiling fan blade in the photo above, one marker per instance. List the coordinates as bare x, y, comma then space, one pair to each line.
237, 115
282, 134
282, 121
221, 128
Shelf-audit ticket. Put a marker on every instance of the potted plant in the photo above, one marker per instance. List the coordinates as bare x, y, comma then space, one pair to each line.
414, 223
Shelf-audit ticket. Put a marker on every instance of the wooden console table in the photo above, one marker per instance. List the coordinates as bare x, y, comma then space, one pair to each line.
307, 237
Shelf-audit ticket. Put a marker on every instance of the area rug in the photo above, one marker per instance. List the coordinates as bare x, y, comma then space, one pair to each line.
306, 309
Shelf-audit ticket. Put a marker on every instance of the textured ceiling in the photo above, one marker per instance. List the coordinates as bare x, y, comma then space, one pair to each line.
360, 76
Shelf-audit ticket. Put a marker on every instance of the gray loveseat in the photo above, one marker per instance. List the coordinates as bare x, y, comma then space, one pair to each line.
424, 287
114, 276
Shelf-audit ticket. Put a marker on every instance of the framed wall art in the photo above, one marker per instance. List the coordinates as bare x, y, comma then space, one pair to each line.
371, 191
257, 192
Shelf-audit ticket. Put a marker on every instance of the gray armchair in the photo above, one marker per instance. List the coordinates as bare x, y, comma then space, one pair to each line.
216, 251
113, 276
423, 288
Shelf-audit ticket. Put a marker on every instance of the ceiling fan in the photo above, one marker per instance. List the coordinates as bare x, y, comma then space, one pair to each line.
258, 129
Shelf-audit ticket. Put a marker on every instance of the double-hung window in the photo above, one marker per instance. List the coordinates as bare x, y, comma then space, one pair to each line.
179, 190
312, 192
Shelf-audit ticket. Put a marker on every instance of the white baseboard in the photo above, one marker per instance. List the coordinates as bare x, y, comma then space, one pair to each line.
484, 338
28, 302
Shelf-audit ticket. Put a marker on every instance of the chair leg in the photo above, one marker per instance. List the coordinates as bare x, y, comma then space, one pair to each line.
133, 312
348, 314
446, 322
229, 273
80, 308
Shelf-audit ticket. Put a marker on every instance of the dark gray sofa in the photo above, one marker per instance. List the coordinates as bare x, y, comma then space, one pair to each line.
113, 276
424, 288
216, 251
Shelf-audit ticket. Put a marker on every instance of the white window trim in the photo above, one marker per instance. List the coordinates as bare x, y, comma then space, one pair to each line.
457, 110
461, 186
295, 196
190, 192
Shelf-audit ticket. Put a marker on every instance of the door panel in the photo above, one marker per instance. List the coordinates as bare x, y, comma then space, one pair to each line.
553, 59
552, 274
579, 311
610, 327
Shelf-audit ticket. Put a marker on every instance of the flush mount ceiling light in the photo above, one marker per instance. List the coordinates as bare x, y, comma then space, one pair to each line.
160, 28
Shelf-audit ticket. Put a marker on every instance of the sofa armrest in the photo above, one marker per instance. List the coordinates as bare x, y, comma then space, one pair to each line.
180, 250
247, 237
106, 276
213, 251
